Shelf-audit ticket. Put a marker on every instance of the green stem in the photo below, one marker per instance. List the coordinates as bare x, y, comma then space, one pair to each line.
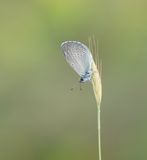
99, 132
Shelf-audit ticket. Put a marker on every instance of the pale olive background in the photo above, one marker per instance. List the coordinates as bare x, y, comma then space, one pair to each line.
40, 118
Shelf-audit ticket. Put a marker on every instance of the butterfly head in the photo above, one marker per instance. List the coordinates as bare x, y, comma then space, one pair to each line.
86, 77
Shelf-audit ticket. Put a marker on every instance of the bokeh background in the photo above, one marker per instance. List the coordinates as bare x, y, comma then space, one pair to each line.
40, 118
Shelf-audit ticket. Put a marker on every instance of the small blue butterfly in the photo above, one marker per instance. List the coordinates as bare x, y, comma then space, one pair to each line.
79, 58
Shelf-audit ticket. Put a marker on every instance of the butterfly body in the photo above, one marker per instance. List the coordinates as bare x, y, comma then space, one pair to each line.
79, 58
86, 77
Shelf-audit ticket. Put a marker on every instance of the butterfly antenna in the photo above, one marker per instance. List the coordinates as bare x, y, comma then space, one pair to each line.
81, 87
74, 86
71, 89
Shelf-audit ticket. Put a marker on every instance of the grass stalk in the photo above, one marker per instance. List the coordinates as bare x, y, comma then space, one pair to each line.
99, 132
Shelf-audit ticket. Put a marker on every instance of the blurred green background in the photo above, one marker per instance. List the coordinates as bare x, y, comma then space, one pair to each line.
40, 118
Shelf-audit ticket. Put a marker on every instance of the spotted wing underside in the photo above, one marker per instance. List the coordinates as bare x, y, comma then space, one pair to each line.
78, 56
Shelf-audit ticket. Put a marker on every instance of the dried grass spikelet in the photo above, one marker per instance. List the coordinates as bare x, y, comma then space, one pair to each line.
96, 83
97, 69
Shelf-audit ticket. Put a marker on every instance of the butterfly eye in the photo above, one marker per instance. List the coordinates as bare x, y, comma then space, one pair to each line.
81, 80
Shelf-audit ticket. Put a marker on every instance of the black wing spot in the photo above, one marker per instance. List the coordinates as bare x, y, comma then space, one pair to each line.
78, 54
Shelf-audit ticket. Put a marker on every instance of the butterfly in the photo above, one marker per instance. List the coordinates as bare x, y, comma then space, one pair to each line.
79, 58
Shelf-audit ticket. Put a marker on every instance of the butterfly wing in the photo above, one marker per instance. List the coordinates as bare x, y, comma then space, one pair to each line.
78, 56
